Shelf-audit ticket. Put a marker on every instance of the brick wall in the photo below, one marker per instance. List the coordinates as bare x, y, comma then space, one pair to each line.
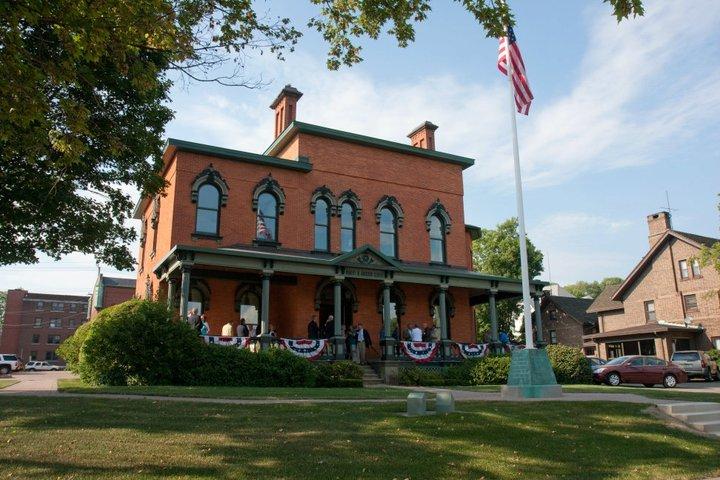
568, 330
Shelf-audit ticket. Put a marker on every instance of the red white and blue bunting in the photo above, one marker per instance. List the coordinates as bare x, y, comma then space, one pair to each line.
304, 347
473, 350
239, 342
420, 352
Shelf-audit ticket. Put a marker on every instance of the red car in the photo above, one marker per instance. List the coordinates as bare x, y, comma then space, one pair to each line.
640, 369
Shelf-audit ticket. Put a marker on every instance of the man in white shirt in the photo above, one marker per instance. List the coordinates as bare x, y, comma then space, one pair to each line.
227, 329
416, 334
363, 342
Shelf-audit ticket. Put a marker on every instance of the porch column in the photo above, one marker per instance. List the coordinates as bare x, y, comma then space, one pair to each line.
538, 321
184, 290
171, 286
339, 339
494, 342
442, 307
387, 330
265, 338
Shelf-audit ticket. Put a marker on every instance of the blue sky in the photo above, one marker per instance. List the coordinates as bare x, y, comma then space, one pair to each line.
622, 113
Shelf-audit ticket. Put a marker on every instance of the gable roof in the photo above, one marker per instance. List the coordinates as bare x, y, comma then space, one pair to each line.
697, 241
575, 307
604, 302
301, 127
365, 253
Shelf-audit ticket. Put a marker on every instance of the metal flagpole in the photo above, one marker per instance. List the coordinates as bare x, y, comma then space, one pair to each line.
519, 198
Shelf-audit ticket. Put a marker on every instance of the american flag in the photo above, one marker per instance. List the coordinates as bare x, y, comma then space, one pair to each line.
262, 231
523, 95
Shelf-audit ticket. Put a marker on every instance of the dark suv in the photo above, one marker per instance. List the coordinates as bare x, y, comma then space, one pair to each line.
696, 364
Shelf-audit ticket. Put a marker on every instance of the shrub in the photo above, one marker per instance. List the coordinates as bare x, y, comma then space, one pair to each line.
420, 376
69, 349
491, 370
569, 364
459, 374
280, 368
137, 343
714, 354
338, 374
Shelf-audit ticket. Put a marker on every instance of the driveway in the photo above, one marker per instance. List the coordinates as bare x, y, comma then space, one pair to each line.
36, 381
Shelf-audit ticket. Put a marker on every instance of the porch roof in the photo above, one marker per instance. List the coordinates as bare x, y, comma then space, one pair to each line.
649, 328
364, 262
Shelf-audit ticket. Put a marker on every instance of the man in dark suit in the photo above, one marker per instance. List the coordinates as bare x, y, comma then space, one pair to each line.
363, 343
313, 328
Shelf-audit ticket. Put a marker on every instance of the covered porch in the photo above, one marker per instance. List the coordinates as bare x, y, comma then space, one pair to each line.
278, 291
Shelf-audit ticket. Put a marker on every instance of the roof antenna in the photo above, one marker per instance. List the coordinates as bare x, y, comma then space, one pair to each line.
667, 207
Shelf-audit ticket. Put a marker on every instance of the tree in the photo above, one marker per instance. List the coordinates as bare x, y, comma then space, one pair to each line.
84, 91
3, 301
710, 256
592, 289
497, 252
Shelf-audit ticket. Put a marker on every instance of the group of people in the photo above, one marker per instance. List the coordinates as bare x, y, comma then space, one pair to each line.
357, 338
416, 334
198, 322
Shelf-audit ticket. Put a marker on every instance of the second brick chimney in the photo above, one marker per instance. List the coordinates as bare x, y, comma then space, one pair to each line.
658, 224
423, 136
285, 106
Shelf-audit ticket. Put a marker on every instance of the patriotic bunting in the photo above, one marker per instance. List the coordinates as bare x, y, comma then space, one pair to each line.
420, 352
306, 348
239, 342
473, 350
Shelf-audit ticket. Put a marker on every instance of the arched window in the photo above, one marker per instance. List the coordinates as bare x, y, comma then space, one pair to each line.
267, 213
207, 218
388, 233
437, 240
247, 304
347, 227
322, 225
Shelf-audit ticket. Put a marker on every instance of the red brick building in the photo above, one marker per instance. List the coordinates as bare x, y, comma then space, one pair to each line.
322, 222
667, 303
110, 291
565, 321
36, 323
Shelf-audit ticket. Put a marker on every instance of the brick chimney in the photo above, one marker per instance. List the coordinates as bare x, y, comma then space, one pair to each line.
658, 224
423, 136
285, 106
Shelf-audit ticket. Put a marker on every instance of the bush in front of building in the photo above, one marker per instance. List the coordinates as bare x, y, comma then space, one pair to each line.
490, 370
136, 343
569, 364
69, 349
419, 376
714, 354
339, 374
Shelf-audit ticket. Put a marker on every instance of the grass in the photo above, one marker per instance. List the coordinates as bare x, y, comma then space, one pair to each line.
656, 392
77, 386
6, 382
95, 438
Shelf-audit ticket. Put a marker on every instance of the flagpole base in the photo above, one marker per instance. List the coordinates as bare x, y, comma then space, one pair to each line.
531, 376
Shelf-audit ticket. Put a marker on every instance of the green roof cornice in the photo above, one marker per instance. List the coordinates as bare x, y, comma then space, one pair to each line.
301, 164
300, 127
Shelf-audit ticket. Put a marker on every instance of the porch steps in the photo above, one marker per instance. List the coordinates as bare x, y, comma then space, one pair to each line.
702, 416
370, 377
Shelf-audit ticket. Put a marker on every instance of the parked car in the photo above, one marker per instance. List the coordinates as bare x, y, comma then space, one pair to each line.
640, 369
9, 363
696, 363
596, 362
41, 367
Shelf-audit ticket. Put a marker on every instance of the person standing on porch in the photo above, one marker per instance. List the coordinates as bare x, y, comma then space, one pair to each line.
353, 344
434, 335
243, 330
193, 318
329, 332
363, 343
227, 329
313, 328
426, 333
416, 334
205, 329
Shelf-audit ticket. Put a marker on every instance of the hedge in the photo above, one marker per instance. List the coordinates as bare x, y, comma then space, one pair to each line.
139, 343
569, 364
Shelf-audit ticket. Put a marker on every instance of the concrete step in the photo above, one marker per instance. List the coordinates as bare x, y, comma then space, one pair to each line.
688, 407
710, 416
707, 427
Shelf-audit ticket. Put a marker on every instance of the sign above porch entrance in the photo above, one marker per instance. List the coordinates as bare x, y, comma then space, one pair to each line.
365, 258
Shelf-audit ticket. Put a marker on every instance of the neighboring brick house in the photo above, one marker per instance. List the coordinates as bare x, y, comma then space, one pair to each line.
109, 291
667, 303
565, 321
322, 222
36, 323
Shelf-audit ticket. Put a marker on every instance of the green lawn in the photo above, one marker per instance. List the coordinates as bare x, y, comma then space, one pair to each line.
656, 392
77, 386
93, 438
6, 382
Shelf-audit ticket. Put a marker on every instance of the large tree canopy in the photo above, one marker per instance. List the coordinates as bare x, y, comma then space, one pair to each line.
498, 252
84, 91
591, 289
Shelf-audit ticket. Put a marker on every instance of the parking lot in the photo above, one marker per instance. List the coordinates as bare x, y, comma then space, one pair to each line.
35, 381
